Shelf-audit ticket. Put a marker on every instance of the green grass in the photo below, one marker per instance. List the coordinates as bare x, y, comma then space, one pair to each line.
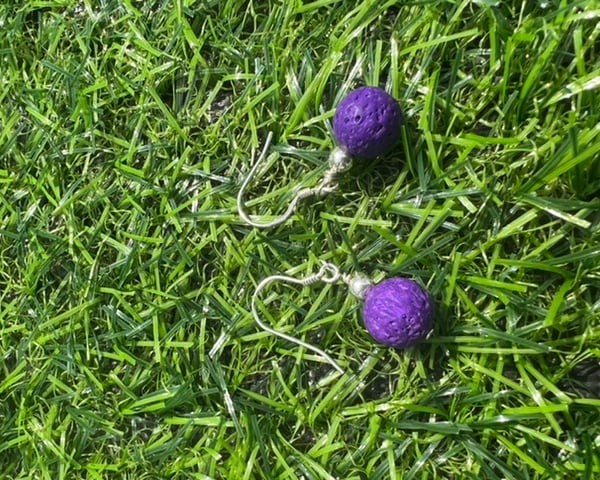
127, 345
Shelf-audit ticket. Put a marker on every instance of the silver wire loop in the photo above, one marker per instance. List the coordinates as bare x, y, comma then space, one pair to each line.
328, 273
339, 161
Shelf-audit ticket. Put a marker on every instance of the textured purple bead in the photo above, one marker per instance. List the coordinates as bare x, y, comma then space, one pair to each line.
367, 122
398, 312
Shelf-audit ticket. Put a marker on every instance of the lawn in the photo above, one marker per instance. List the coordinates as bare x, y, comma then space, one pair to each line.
128, 349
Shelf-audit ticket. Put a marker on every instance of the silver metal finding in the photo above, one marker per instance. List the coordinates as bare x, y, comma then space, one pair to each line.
339, 161
328, 273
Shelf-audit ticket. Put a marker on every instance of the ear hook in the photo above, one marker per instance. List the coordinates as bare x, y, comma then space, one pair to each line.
328, 273
339, 161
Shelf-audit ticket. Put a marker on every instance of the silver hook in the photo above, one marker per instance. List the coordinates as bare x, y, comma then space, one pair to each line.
328, 273
339, 161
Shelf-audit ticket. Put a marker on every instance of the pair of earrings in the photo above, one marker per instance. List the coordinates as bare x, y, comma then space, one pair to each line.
397, 312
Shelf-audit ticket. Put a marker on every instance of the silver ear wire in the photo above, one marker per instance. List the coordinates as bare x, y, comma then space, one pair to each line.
339, 161
329, 274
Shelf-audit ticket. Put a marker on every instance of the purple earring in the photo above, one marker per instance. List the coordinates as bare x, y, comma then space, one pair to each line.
397, 312
366, 125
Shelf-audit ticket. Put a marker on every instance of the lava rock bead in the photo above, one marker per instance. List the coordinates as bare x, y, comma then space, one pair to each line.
398, 312
367, 122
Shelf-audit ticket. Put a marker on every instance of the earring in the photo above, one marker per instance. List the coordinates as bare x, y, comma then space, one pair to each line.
366, 125
397, 312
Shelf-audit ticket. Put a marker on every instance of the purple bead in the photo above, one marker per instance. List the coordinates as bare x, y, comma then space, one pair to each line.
367, 122
398, 312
